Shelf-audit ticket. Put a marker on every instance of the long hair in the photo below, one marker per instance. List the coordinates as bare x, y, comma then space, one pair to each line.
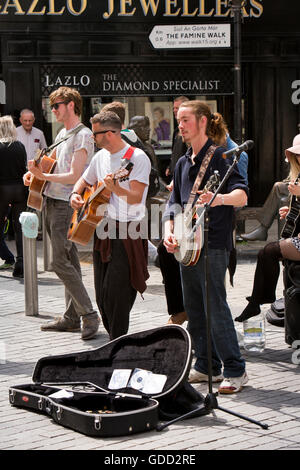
8, 133
216, 127
294, 167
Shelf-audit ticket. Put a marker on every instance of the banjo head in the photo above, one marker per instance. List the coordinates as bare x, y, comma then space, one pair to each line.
189, 248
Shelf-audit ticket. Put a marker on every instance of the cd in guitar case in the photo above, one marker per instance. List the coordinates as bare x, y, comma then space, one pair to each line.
121, 388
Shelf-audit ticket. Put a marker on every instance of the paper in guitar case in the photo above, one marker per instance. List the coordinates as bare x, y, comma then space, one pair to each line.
103, 392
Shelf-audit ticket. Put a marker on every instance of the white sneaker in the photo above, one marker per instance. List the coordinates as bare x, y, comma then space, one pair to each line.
233, 384
196, 377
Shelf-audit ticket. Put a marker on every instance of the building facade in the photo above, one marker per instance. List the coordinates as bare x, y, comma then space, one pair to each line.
146, 52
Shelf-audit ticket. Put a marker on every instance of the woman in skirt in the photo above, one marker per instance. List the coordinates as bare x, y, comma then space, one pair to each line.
268, 259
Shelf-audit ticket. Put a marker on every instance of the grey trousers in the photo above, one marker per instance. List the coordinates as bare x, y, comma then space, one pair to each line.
66, 263
277, 198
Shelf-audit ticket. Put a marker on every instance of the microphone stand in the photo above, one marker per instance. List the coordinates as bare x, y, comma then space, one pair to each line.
210, 401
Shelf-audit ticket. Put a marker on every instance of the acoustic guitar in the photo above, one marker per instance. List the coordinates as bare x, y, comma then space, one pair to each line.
36, 188
86, 219
292, 216
189, 242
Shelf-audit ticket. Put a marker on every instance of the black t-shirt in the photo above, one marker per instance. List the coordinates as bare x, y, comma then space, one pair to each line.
220, 217
13, 163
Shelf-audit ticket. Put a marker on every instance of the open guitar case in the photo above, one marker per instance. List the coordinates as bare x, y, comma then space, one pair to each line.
121, 388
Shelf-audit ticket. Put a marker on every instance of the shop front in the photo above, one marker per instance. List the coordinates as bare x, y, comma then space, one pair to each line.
146, 52
146, 90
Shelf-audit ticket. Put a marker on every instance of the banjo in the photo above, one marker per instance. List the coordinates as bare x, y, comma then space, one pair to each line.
190, 242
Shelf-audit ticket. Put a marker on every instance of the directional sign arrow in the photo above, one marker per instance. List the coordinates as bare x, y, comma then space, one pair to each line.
190, 36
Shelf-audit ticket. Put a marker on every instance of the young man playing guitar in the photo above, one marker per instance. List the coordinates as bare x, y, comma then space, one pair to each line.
268, 268
72, 156
120, 254
197, 127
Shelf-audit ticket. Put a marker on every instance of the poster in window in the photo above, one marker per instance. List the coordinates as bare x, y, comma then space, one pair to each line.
161, 122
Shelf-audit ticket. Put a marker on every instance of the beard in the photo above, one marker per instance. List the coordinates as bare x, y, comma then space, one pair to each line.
186, 139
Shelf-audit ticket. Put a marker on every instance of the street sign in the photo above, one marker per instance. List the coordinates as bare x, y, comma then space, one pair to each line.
190, 36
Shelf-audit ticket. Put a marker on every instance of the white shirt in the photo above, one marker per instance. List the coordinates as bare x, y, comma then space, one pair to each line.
104, 163
64, 155
32, 141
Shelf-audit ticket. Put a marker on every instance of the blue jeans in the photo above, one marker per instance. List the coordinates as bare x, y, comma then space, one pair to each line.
225, 348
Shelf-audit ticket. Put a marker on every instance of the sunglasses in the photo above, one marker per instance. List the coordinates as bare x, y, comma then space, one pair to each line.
56, 105
103, 132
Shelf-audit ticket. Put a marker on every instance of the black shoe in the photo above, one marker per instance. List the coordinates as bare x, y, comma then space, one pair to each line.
250, 311
18, 269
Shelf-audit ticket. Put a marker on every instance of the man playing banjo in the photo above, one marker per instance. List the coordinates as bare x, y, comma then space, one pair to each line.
199, 128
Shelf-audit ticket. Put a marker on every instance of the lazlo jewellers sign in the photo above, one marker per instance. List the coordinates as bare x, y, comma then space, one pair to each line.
105, 10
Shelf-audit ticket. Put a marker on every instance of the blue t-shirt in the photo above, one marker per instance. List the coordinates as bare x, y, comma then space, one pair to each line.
242, 164
220, 217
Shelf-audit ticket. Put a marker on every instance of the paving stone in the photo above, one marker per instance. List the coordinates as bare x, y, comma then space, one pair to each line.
271, 396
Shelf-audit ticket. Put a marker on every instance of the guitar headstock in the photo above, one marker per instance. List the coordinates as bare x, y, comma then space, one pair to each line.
123, 172
39, 155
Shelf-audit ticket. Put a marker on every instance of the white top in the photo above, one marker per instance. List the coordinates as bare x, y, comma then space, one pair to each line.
64, 155
104, 163
32, 141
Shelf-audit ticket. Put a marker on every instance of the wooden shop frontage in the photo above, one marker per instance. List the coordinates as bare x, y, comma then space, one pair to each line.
146, 52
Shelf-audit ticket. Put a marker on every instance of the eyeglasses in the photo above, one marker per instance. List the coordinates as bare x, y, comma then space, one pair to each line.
56, 105
103, 132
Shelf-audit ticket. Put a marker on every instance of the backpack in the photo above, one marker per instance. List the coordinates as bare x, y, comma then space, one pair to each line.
154, 184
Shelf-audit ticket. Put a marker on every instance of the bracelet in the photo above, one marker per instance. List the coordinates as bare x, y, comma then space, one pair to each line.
74, 192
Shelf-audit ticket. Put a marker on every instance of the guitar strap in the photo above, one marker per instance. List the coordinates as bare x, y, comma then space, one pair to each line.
205, 162
73, 132
128, 153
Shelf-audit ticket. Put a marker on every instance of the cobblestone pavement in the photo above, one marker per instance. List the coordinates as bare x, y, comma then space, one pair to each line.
271, 395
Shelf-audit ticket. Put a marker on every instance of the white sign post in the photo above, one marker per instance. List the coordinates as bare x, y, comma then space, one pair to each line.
190, 36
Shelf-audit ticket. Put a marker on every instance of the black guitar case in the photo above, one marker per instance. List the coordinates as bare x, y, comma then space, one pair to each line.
121, 388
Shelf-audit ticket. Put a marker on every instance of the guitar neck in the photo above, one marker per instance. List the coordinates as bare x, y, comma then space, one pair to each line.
38, 156
96, 192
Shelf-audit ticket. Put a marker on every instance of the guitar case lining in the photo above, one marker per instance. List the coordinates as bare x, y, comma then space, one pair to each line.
85, 402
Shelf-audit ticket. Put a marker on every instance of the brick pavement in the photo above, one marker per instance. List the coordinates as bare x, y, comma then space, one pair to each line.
271, 396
